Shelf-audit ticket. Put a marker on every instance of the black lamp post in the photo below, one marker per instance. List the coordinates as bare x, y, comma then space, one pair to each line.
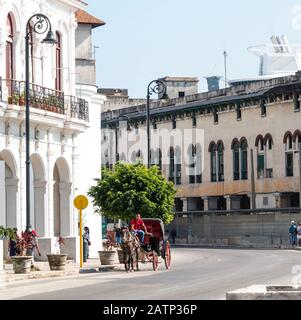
39, 24
154, 87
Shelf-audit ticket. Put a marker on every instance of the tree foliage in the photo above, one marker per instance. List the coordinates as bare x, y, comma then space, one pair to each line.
129, 189
6, 233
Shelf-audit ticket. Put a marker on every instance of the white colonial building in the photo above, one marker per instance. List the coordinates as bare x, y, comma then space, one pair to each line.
65, 121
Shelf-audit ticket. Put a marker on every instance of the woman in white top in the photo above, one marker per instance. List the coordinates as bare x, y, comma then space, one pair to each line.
299, 234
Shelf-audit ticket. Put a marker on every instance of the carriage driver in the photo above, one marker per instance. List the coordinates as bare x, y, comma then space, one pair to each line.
138, 227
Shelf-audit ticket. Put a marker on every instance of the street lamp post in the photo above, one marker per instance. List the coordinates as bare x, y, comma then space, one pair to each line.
39, 24
154, 87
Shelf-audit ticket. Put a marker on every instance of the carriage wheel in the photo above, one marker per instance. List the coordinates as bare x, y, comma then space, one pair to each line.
155, 261
167, 255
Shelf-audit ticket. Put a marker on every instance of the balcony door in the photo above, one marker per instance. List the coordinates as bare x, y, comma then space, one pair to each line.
9, 53
58, 63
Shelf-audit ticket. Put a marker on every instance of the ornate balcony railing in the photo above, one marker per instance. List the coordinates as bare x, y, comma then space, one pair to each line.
13, 92
78, 107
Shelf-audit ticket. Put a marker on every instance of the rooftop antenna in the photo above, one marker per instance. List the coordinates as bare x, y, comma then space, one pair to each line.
225, 62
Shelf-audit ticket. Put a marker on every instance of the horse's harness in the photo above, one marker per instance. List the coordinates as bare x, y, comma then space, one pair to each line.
131, 239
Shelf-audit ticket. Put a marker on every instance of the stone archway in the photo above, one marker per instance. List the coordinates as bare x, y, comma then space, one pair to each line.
8, 190
62, 213
38, 195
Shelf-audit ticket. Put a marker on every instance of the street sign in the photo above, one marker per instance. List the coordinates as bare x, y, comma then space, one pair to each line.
81, 202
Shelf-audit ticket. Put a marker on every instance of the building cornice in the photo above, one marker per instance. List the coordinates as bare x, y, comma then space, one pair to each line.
168, 110
75, 3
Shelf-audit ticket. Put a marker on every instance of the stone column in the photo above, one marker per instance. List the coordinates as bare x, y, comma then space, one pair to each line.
185, 204
1, 262
65, 209
50, 184
250, 196
11, 203
2, 194
40, 207
228, 202
76, 184
206, 203
277, 200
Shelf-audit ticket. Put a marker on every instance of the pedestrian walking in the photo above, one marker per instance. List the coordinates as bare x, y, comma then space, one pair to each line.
293, 233
299, 234
86, 243
13, 241
173, 235
32, 244
117, 230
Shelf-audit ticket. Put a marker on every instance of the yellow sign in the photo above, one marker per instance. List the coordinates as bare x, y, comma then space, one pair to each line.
81, 202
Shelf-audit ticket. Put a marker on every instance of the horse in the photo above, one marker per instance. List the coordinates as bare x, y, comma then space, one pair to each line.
131, 248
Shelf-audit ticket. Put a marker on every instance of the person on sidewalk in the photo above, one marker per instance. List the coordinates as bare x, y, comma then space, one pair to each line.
117, 230
31, 240
172, 235
299, 234
13, 240
293, 234
138, 227
86, 244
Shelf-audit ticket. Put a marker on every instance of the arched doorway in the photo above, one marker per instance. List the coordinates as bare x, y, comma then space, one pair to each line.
62, 213
8, 190
38, 195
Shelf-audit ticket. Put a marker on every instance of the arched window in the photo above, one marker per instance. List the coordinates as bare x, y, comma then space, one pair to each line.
171, 164
160, 159
191, 164
268, 142
297, 139
289, 154
244, 159
259, 143
212, 150
122, 157
178, 166
236, 165
9, 48
134, 156
58, 63
220, 161
198, 163
156, 158
153, 157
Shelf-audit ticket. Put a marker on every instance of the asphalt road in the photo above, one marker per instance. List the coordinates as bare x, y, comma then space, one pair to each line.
197, 274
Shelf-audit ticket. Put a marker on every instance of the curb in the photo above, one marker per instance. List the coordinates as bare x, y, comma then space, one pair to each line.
99, 269
11, 277
199, 246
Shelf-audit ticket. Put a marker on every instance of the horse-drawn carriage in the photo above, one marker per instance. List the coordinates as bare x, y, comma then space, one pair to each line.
154, 247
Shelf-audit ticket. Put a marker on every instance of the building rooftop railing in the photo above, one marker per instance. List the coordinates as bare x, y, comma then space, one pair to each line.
13, 93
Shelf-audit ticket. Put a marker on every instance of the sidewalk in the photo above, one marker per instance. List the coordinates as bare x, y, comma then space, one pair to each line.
43, 271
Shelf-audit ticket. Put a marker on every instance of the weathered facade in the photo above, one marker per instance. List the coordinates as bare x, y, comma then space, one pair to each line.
263, 116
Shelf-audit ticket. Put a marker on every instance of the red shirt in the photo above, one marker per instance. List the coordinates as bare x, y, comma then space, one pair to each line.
137, 224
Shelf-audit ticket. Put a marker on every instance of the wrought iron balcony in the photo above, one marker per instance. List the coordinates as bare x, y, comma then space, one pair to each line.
13, 93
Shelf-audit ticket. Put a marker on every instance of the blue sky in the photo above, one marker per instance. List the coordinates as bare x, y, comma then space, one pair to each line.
143, 40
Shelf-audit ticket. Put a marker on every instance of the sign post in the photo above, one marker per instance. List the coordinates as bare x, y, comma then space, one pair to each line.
81, 202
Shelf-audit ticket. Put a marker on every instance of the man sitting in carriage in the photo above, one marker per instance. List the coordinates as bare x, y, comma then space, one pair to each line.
138, 227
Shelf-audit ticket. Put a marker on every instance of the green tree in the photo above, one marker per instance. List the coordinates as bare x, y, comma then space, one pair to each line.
129, 189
